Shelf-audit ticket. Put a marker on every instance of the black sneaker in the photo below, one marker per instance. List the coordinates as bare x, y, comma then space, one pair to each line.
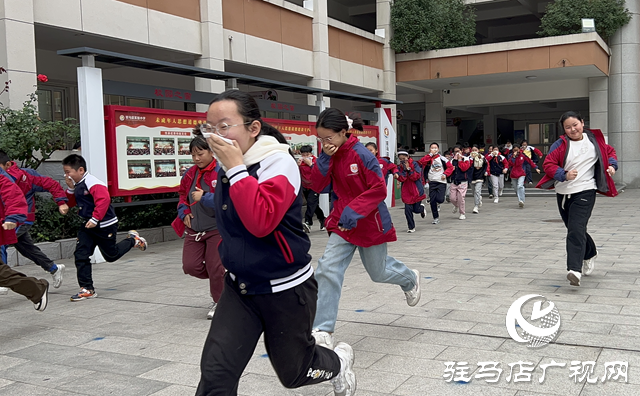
306, 227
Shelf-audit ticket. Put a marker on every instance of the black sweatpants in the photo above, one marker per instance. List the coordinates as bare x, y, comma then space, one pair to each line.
29, 250
436, 196
575, 210
313, 206
285, 318
409, 210
105, 240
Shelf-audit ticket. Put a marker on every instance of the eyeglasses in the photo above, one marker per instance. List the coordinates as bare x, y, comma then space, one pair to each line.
222, 129
323, 140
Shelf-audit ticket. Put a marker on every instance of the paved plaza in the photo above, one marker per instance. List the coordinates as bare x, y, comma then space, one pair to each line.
143, 335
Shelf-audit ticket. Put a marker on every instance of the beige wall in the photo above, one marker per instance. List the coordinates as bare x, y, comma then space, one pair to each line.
549, 57
267, 21
189, 9
353, 48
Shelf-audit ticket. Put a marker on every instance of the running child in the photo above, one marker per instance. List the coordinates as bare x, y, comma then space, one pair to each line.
359, 220
270, 287
30, 182
459, 180
387, 167
516, 164
410, 175
534, 154
197, 222
305, 163
479, 172
101, 228
434, 166
498, 167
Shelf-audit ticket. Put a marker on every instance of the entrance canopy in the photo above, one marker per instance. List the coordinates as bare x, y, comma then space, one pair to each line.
192, 71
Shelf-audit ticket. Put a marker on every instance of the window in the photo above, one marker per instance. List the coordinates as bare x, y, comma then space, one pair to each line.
52, 104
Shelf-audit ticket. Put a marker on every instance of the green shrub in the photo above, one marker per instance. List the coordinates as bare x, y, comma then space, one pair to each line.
424, 25
50, 225
565, 17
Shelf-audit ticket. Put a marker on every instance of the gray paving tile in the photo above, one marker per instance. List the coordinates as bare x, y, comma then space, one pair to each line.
104, 384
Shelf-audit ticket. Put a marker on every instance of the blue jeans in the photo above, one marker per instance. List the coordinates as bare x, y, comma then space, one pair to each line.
332, 266
518, 186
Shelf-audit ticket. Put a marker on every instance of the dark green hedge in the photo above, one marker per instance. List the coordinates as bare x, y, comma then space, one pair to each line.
565, 17
423, 25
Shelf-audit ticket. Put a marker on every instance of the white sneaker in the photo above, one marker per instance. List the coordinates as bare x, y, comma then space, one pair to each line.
574, 278
212, 310
475, 209
521, 204
480, 203
323, 338
4, 290
42, 304
455, 209
589, 265
413, 295
438, 207
411, 230
57, 276
490, 196
436, 221
462, 217
496, 200
344, 384
500, 193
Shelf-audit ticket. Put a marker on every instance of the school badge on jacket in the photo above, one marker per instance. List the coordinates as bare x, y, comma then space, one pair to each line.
354, 168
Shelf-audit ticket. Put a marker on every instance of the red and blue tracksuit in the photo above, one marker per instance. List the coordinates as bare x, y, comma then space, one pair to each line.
312, 197
92, 198
412, 190
387, 168
13, 209
31, 182
359, 193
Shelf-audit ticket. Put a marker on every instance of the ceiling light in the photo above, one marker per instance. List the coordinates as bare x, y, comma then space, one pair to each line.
531, 77
454, 84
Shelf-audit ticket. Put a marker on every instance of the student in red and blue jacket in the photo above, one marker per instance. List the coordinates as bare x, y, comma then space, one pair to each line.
387, 167
518, 173
305, 163
197, 222
578, 165
13, 212
359, 220
460, 177
498, 167
101, 228
30, 182
410, 175
270, 287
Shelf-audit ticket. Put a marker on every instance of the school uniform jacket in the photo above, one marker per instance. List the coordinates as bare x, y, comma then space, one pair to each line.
92, 198
259, 212
305, 172
387, 168
411, 179
13, 208
497, 164
359, 191
459, 170
209, 178
479, 173
516, 164
554, 163
30, 182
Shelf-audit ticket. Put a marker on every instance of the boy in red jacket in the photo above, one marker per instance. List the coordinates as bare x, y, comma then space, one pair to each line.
305, 163
410, 175
359, 220
13, 211
30, 182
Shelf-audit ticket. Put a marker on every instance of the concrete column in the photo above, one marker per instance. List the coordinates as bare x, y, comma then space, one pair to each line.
321, 66
212, 47
383, 23
17, 51
490, 130
435, 125
624, 99
599, 104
